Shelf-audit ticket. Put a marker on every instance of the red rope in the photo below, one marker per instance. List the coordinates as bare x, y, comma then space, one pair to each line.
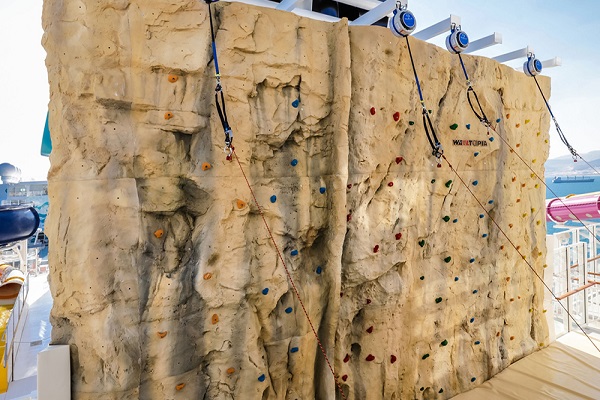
290, 277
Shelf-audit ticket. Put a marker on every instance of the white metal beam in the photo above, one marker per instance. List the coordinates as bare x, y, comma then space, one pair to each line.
480, 44
314, 15
362, 4
287, 5
375, 14
260, 3
438, 29
513, 55
553, 62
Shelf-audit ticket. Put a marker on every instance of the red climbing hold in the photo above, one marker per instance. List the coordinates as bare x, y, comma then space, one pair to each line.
370, 357
228, 158
344, 377
347, 358
376, 248
370, 329
349, 186
439, 165
372, 110
393, 359
368, 301
390, 184
396, 116
398, 236
399, 160
348, 217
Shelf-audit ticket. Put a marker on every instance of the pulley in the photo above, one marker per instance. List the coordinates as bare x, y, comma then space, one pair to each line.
403, 22
532, 66
457, 41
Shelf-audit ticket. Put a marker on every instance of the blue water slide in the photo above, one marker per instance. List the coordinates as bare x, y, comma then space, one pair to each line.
17, 223
46, 140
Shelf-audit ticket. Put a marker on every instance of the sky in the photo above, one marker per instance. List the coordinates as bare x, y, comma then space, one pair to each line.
567, 29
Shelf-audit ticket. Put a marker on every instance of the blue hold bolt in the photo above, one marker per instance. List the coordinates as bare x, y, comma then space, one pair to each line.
294, 252
273, 199
322, 189
294, 162
296, 103
288, 310
265, 291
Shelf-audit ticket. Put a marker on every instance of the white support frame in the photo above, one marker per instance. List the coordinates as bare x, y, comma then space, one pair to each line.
370, 17
439, 28
485, 42
553, 62
513, 55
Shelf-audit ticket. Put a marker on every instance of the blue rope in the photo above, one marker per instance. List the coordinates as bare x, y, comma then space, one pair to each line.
214, 45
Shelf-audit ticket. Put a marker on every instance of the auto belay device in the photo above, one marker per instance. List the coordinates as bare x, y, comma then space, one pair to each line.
533, 66
403, 22
457, 41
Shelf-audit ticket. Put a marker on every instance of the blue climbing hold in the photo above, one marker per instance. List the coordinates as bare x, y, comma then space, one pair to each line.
491, 138
273, 199
296, 103
472, 320
294, 162
455, 220
499, 119
491, 202
475, 183
322, 189
477, 342
319, 270
475, 291
265, 291
472, 260
455, 278
481, 215
294, 350
476, 153
294, 252
288, 310
468, 126
262, 378
473, 379
484, 235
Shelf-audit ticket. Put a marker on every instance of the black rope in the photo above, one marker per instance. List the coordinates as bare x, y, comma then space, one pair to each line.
436, 146
470, 91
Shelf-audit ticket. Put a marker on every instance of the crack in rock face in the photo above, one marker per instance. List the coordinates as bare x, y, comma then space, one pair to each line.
166, 282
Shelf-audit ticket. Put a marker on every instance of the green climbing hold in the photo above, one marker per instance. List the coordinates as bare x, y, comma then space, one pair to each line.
446, 218
422, 242
438, 300
449, 183
425, 356
453, 126
411, 122
444, 343
447, 259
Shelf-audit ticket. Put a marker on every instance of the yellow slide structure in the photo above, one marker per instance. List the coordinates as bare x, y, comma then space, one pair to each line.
11, 281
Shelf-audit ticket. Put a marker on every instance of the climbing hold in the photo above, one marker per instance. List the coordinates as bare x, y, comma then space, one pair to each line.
455, 278
533, 161
240, 204
294, 252
205, 166
180, 386
512, 299
294, 162
497, 334
538, 134
288, 310
537, 185
393, 358
370, 329
481, 215
425, 356
473, 379
207, 276
230, 370
390, 184
508, 279
162, 334
518, 125
347, 358
261, 378
472, 260
446, 218
396, 116
322, 190
475, 291
376, 248
370, 357
447, 259
468, 126
294, 350
484, 235
532, 209
433, 181
524, 215
273, 199
522, 185
518, 145
477, 342
491, 202
514, 178
453, 126
472, 320
441, 391
368, 301
475, 183
545, 140
491, 139
538, 222
348, 217
502, 247
512, 338
372, 110
438, 300
444, 342
422, 242
447, 184
265, 291
411, 122
349, 186
158, 233
498, 119
429, 111
173, 78
398, 236
214, 319
344, 377
422, 277
168, 115
518, 200
296, 103
476, 154
319, 270
455, 220
399, 160
228, 157
507, 116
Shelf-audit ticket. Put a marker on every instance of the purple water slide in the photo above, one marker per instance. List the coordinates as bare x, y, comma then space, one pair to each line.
583, 206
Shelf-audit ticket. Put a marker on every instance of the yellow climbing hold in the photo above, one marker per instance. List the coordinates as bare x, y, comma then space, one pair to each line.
168, 115
214, 319
162, 334
207, 276
545, 140
538, 222
240, 204
545, 311
206, 166
537, 185
532, 209
532, 175
527, 121
524, 256
539, 133
524, 215
180, 386
533, 161
545, 265
230, 370
159, 233
173, 78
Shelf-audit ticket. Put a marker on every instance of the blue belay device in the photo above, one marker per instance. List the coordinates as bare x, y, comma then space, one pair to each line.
17, 223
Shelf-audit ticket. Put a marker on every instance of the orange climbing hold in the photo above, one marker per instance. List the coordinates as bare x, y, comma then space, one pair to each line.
508, 279
518, 200
518, 125
206, 166
240, 204
173, 78
162, 334
518, 144
512, 338
214, 319
168, 115
180, 386
510, 225
497, 334
207, 276
514, 178
159, 233
507, 116
522, 185
230, 370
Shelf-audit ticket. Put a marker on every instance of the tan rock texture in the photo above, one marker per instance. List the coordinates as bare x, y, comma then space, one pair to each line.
166, 284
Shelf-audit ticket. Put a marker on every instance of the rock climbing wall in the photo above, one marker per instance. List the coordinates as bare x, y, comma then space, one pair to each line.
165, 279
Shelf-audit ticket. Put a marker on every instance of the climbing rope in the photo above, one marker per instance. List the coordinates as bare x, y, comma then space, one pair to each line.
470, 91
517, 250
287, 271
436, 146
220, 102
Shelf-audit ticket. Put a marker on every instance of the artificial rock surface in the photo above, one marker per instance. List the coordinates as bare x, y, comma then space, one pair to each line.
165, 282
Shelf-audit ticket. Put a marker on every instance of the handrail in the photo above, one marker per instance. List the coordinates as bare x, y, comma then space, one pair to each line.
20, 306
594, 258
579, 289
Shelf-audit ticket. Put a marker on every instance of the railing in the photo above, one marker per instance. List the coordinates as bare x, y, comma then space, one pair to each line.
10, 332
